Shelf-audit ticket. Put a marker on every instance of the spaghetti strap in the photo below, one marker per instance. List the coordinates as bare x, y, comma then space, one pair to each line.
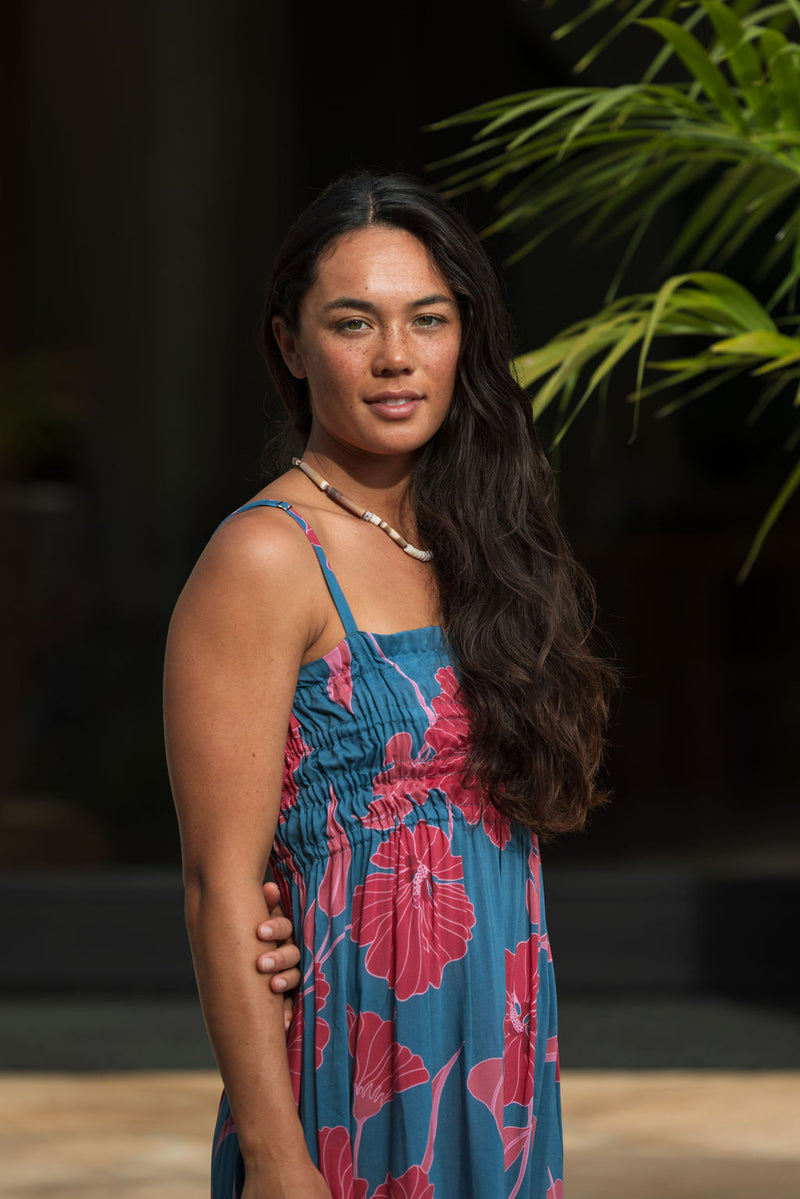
337, 595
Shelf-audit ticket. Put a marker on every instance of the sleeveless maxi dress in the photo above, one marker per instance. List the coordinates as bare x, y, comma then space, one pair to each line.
422, 1049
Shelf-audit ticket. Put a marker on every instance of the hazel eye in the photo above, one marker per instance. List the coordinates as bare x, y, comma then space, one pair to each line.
429, 321
353, 324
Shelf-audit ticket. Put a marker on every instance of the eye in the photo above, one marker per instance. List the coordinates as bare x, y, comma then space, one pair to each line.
429, 320
353, 324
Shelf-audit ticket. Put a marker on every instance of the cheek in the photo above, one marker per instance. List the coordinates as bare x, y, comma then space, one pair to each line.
445, 360
341, 362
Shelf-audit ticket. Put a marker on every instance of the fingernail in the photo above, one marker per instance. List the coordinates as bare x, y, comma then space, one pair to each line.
266, 930
280, 984
267, 963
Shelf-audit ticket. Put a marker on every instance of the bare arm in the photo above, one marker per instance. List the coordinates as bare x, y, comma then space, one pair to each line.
235, 644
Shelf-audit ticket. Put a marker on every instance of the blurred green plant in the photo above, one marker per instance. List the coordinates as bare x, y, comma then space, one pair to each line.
613, 158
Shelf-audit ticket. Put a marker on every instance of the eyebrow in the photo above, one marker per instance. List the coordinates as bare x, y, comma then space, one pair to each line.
368, 306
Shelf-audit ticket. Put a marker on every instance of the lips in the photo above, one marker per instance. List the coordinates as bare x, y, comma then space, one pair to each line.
394, 405
393, 397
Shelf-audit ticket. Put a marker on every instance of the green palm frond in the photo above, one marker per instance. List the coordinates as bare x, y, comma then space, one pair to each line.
747, 12
606, 161
558, 155
738, 336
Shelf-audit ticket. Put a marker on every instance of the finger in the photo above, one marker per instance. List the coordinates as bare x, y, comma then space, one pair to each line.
288, 1010
285, 957
277, 929
286, 981
272, 898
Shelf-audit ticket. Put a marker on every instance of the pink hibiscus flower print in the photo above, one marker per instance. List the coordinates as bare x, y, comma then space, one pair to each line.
296, 750
322, 1029
556, 1188
340, 679
294, 1049
336, 1164
382, 1067
533, 887
413, 1184
522, 982
398, 786
551, 1055
417, 917
332, 892
486, 1082
449, 732
448, 737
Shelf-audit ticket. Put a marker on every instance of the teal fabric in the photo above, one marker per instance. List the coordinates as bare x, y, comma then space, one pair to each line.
423, 1048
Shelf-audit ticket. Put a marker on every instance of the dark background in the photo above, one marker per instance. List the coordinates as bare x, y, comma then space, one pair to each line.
153, 155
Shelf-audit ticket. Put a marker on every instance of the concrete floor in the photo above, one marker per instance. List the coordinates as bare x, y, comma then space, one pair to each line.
642, 1135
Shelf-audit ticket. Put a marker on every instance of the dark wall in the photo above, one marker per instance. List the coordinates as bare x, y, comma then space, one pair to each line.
155, 154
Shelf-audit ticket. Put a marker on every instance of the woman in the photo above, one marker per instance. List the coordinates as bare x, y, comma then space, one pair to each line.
390, 712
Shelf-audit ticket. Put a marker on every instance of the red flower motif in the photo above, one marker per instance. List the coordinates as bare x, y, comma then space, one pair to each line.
336, 1164
382, 1067
296, 750
522, 982
396, 789
417, 917
340, 680
533, 889
556, 1188
486, 1083
450, 731
414, 1184
551, 1055
294, 1048
332, 893
322, 1030
448, 737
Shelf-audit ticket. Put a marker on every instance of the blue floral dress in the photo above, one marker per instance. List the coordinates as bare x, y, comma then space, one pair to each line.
423, 1047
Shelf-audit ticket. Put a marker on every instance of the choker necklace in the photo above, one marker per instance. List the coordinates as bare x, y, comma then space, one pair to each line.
361, 513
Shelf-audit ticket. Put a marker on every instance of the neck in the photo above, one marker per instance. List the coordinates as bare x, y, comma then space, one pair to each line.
378, 483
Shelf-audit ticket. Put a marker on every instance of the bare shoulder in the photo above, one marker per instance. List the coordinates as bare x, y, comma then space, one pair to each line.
258, 573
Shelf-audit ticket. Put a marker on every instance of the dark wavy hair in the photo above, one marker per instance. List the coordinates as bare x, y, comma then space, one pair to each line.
517, 608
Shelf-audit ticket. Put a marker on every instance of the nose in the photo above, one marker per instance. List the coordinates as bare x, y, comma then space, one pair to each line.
393, 354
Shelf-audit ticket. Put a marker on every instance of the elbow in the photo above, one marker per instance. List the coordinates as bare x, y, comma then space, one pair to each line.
194, 893
208, 893
204, 886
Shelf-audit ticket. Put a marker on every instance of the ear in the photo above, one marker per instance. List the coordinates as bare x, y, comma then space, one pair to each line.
287, 344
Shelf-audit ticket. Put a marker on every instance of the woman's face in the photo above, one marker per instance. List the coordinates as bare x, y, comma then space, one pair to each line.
378, 340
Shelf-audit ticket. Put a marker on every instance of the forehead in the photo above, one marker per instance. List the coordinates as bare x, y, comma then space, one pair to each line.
378, 262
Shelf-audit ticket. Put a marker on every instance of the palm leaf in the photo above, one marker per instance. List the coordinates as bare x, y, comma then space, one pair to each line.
700, 303
744, 61
784, 73
776, 508
700, 66
608, 160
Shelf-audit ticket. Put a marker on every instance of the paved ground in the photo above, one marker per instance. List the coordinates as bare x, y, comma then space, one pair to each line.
643, 1135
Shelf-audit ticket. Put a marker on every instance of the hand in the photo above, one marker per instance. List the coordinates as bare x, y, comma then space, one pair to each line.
280, 961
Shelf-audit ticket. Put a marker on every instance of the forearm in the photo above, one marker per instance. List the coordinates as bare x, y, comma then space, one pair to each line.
244, 1019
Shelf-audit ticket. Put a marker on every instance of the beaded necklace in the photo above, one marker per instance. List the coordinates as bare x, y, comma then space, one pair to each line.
361, 513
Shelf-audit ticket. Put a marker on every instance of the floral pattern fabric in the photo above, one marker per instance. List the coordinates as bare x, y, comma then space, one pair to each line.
423, 1049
